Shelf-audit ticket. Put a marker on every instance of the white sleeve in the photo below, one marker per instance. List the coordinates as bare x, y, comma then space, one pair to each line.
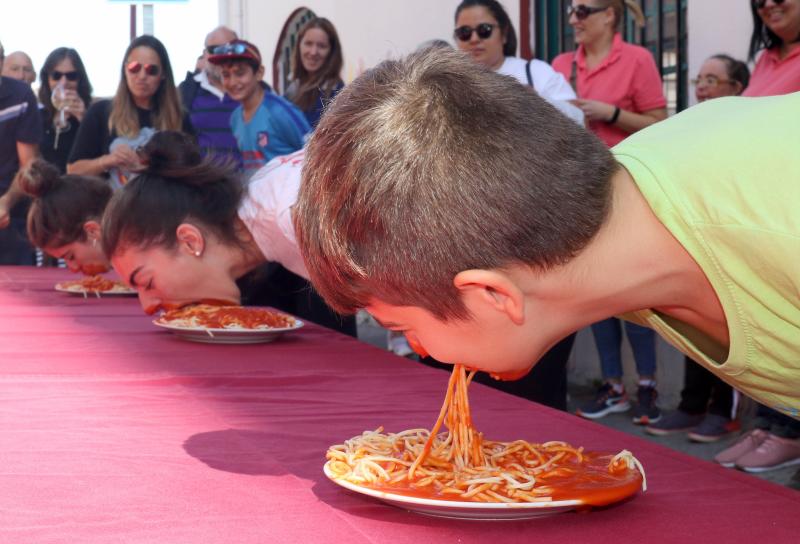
552, 86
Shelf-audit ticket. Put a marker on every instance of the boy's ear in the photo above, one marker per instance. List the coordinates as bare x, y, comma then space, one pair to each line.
92, 230
190, 239
491, 290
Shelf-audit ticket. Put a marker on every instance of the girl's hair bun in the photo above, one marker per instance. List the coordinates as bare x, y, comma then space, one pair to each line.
39, 178
168, 152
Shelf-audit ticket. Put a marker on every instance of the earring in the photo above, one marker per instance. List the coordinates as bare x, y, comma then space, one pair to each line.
196, 253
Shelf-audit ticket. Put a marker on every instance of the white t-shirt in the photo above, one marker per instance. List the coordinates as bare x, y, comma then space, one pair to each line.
550, 84
267, 210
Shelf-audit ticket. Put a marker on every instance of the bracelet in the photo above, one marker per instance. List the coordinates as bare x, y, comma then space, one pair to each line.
614, 117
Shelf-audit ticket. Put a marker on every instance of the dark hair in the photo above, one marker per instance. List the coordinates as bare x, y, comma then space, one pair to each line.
762, 37
45, 92
61, 204
499, 13
177, 186
166, 103
400, 193
329, 74
736, 69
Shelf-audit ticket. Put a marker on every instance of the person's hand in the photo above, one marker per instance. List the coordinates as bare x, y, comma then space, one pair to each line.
74, 105
5, 215
122, 157
594, 110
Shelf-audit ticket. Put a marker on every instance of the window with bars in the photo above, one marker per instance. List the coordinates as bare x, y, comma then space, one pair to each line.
664, 34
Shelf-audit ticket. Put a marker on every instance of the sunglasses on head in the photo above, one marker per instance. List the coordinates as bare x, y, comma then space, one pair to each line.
582, 11
227, 49
761, 3
464, 33
150, 69
55, 75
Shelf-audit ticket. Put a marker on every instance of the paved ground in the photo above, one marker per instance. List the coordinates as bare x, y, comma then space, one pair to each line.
371, 333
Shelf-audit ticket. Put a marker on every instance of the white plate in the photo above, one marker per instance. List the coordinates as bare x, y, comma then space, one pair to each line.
461, 509
86, 294
228, 336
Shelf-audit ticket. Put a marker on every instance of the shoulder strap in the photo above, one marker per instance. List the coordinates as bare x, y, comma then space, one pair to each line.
573, 75
528, 73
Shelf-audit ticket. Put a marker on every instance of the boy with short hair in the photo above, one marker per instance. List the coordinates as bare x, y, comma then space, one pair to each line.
431, 199
265, 125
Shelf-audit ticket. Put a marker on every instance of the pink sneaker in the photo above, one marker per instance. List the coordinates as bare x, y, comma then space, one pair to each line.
773, 453
747, 443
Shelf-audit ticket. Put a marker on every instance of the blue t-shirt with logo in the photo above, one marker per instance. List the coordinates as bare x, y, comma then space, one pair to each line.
278, 127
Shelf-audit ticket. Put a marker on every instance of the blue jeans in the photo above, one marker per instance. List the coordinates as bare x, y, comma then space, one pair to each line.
608, 338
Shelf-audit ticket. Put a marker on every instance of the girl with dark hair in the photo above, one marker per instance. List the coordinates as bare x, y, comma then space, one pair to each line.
484, 31
776, 34
64, 217
316, 68
65, 94
146, 101
186, 229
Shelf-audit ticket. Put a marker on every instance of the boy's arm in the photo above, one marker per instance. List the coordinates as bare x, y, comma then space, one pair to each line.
26, 153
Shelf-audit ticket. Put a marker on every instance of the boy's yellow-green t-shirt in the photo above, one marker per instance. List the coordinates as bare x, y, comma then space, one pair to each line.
724, 178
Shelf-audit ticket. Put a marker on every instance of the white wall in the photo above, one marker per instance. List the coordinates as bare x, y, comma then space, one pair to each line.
717, 26
370, 30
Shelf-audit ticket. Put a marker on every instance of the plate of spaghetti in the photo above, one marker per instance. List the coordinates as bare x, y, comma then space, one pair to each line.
95, 286
460, 474
214, 324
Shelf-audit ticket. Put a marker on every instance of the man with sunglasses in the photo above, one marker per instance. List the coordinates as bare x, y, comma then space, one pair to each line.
265, 125
210, 108
20, 132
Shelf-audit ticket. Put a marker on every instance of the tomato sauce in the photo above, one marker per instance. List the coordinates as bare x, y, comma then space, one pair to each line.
589, 481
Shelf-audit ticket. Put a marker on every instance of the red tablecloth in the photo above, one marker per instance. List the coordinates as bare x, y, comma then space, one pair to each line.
112, 430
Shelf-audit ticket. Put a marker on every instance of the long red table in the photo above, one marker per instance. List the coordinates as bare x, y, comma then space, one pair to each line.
112, 430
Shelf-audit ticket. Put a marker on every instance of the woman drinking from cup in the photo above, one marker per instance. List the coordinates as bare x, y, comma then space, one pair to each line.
65, 94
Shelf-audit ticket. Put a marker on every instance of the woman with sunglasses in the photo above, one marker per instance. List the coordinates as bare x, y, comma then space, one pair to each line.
65, 93
484, 31
64, 216
316, 68
776, 35
619, 90
146, 101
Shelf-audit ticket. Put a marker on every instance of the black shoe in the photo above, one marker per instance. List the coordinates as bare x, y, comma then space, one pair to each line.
605, 402
646, 411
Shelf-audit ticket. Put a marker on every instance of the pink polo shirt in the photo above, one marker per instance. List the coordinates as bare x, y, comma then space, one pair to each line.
627, 78
773, 75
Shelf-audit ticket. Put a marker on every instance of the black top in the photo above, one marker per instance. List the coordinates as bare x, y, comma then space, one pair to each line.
94, 139
19, 122
56, 150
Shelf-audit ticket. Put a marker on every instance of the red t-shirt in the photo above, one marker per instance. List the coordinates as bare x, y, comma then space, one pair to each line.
627, 78
773, 75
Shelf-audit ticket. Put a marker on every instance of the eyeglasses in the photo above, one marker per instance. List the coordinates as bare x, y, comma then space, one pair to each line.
708, 81
55, 75
759, 4
227, 49
582, 11
464, 33
150, 69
